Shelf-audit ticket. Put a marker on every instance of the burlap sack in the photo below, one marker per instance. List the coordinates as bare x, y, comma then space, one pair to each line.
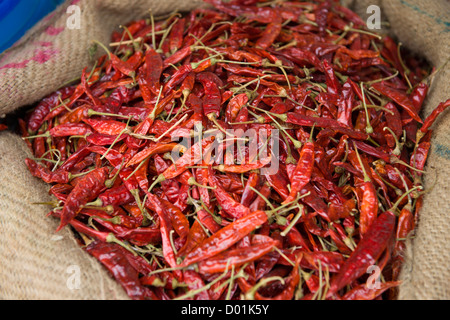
35, 263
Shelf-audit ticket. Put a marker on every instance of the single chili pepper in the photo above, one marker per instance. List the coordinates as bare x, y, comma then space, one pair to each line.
190, 158
195, 282
363, 292
369, 249
369, 203
66, 130
195, 236
45, 174
116, 196
269, 35
107, 127
141, 236
332, 261
419, 95
433, 116
399, 98
151, 150
243, 168
212, 99
404, 227
235, 105
39, 113
86, 190
177, 56
249, 195
228, 204
165, 227
112, 257
225, 237
420, 155
236, 257
153, 70
303, 171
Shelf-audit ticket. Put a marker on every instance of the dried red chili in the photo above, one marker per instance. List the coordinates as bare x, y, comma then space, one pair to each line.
112, 148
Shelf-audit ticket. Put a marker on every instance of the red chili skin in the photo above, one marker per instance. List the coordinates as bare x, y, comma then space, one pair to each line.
225, 238
345, 105
366, 253
225, 200
235, 105
236, 257
194, 282
419, 94
433, 116
70, 129
259, 203
38, 115
332, 82
302, 174
249, 195
303, 57
177, 57
165, 227
151, 150
45, 174
127, 67
85, 87
332, 261
177, 78
74, 159
269, 35
368, 206
176, 35
153, 70
116, 196
108, 127
405, 226
112, 257
177, 218
141, 236
98, 139
86, 190
420, 156
208, 221
189, 158
279, 183
213, 98
195, 236
393, 118
288, 293
399, 98
362, 292
114, 157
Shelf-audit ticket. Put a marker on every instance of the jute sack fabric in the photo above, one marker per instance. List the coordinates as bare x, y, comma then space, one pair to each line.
36, 263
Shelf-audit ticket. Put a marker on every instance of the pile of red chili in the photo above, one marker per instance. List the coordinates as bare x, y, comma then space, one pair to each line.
352, 151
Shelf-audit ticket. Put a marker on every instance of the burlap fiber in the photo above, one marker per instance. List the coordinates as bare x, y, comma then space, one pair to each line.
36, 263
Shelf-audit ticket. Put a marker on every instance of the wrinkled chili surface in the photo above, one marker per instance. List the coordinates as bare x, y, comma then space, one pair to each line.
352, 152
